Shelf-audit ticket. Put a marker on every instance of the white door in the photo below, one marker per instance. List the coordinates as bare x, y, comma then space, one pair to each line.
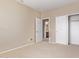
74, 29
39, 30
62, 29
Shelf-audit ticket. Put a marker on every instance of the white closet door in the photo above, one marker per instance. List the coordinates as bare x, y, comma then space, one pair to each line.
39, 30
62, 29
74, 33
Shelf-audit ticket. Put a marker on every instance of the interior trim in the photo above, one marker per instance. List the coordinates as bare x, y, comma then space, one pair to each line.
16, 48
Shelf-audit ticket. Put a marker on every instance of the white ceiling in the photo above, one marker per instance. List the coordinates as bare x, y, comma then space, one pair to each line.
46, 5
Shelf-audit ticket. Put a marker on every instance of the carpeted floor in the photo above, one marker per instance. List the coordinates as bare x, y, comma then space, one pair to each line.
44, 50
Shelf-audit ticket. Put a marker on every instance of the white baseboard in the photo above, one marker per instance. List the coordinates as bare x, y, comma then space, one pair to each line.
59, 43
16, 48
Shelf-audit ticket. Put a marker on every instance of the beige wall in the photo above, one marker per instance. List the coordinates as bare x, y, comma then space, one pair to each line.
69, 9
16, 24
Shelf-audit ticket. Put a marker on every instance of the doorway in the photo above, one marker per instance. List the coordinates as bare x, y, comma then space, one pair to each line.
74, 29
46, 30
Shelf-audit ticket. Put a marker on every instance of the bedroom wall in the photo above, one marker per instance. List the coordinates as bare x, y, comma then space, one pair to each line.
16, 24
68, 9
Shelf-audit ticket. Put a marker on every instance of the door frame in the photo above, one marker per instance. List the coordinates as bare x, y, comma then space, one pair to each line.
49, 18
69, 27
70, 14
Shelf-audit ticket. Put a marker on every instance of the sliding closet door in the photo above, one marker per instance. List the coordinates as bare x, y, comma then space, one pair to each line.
74, 29
62, 29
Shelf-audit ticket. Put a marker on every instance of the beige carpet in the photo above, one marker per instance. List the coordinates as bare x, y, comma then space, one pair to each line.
44, 50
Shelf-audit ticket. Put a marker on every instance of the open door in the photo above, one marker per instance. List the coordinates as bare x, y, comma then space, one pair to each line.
39, 30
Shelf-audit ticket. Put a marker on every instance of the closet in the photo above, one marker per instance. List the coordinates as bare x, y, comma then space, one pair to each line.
67, 29
74, 29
